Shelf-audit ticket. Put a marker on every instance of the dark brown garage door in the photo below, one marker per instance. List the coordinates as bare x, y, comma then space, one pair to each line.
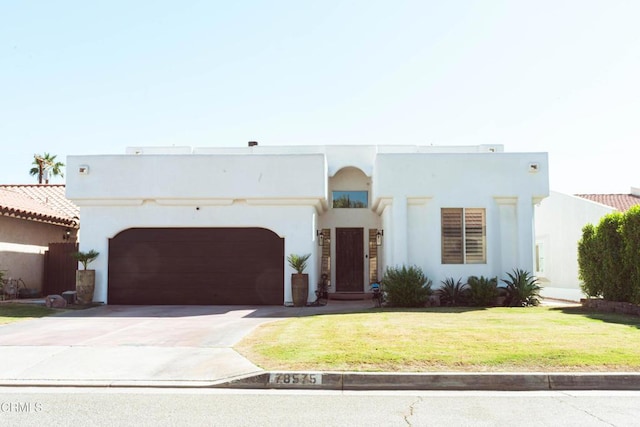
196, 266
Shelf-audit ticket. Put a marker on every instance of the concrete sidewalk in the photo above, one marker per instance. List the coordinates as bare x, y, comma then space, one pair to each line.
192, 346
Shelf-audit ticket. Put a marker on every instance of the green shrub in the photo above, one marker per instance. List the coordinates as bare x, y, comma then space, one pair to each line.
406, 286
522, 289
630, 231
590, 262
453, 293
609, 257
482, 291
616, 284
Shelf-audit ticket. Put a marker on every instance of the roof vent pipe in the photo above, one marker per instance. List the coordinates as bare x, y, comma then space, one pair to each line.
253, 143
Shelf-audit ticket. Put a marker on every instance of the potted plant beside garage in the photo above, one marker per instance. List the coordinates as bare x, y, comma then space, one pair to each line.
85, 279
299, 279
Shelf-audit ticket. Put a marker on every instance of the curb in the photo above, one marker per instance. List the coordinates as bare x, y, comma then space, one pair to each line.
367, 381
436, 381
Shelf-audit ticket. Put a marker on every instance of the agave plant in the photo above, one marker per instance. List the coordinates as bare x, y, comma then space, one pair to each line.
522, 289
453, 293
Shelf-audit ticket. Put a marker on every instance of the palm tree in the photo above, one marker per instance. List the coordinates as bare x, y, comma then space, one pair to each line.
44, 165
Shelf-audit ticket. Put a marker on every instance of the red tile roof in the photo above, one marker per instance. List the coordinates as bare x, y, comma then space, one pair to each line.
41, 202
621, 202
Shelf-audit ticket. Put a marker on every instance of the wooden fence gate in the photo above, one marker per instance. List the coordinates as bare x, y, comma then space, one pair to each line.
59, 269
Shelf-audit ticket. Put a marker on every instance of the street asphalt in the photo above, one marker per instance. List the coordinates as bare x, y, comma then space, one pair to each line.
192, 346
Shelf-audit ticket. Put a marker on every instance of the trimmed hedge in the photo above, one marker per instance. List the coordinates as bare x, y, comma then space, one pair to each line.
631, 238
609, 257
590, 262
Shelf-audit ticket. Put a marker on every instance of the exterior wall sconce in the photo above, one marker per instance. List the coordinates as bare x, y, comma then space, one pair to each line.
320, 236
379, 235
67, 234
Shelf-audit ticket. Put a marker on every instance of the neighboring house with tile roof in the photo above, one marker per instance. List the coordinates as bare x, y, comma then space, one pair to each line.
31, 218
559, 220
620, 202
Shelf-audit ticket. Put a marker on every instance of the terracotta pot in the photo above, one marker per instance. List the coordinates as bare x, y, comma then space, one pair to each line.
85, 286
300, 289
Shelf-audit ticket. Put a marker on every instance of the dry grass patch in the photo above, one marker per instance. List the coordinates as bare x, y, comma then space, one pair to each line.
496, 339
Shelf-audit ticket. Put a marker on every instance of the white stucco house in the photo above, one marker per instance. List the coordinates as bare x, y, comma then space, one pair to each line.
182, 225
559, 220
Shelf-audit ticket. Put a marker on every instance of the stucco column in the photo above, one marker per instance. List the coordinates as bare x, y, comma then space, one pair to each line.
508, 230
92, 238
525, 233
300, 238
399, 237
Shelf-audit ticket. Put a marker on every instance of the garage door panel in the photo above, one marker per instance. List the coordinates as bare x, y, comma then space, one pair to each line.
185, 289
191, 235
220, 266
246, 248
193, 265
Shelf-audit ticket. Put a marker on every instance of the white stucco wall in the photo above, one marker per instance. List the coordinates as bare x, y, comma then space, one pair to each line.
280, 193
288, 190
559, 222
196, 177
411, 189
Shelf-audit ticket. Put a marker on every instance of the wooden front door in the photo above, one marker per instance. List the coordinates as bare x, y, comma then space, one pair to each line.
349, 260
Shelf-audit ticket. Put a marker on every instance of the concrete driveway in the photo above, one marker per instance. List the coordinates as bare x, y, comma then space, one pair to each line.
120, 345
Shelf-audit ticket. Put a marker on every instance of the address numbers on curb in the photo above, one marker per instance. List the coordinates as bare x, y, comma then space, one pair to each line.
295, 379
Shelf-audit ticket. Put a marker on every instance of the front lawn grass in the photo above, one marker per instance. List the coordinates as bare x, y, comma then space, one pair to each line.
533, 339
13, 312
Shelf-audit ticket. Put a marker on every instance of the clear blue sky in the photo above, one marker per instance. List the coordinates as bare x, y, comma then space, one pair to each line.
93, 77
